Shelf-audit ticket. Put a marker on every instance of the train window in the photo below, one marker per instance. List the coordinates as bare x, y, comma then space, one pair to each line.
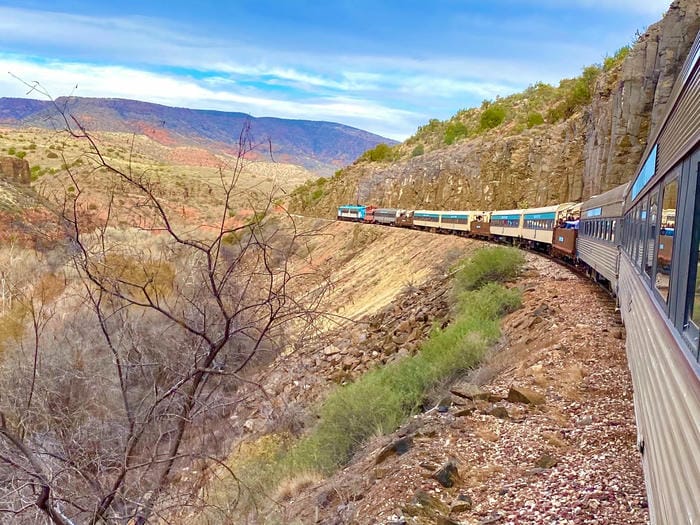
634, 238
641, 240
612, 230
651, 234
692, 319
664, 256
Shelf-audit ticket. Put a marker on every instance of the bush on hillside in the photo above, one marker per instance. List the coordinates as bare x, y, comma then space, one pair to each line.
454, 132
494, 264
534, 119
611, 61
492, 116
380, 153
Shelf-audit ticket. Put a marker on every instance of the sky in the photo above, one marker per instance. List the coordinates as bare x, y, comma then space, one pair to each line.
383, 66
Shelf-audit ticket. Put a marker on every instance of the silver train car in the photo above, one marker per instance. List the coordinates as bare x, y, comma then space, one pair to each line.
659, 297
598, 240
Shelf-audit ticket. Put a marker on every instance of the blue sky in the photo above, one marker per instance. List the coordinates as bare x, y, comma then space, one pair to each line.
386, 67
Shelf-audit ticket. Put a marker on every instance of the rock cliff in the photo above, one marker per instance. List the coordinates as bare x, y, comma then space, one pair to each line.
595, 149
15, 170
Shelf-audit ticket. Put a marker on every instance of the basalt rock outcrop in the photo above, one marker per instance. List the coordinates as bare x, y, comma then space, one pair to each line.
592, 151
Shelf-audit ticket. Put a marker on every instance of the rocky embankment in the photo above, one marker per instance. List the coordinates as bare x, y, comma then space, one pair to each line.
543, 432
590, 152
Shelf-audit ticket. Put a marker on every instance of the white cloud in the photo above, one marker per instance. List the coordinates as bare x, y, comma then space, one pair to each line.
61, 78
645, 7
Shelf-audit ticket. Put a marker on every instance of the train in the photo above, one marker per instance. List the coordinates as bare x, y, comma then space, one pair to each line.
642, 241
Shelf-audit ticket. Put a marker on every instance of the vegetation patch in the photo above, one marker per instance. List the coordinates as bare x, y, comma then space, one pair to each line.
487, 265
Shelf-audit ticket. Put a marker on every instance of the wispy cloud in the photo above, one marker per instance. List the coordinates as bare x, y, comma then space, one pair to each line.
62, 78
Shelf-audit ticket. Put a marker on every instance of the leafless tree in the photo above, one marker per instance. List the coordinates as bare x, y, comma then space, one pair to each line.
115, 390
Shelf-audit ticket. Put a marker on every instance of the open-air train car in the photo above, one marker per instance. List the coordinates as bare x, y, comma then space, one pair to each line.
507, 223
539, 223
427, 219
659, 297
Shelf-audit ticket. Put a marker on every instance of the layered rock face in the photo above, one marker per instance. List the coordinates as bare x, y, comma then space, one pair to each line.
593, 151
14, 169
620, 119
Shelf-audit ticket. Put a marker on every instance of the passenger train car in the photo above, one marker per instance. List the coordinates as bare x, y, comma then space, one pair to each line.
643, 241
599, 235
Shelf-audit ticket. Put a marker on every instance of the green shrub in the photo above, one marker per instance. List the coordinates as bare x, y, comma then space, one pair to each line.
617, 58
380, 153
51, 155
454, 132
492, 116
35, 172
11, 151
418, 151
494, 264
534, 119
21, 154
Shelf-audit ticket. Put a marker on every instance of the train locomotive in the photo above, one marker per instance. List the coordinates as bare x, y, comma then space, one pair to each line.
642, 241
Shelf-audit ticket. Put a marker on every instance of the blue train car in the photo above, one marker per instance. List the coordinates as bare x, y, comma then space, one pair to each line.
352, 212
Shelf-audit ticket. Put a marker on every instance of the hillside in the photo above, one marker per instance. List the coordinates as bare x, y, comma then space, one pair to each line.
25, 219
319, 146
548, 144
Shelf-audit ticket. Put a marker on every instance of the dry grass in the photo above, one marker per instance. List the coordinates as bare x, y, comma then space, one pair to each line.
291, 487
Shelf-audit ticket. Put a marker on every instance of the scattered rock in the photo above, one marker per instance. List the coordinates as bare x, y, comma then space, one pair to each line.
465, 412
518, 394
463, 503
398, 447
330, 350
447, 475
546, 461
469, 391
443, 520
499, 412
424, 504
584, 421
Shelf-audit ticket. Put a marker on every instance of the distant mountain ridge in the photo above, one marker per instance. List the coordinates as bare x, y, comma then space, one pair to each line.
317, 145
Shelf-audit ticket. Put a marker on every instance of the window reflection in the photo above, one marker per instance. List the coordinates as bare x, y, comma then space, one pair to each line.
651, 235
666, 231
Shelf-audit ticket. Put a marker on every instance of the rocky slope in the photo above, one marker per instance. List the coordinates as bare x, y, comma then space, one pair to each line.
319, 146
591, 151
543, 432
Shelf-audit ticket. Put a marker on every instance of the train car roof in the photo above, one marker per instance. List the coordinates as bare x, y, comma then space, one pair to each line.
507, 212
608, 204
542, 209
